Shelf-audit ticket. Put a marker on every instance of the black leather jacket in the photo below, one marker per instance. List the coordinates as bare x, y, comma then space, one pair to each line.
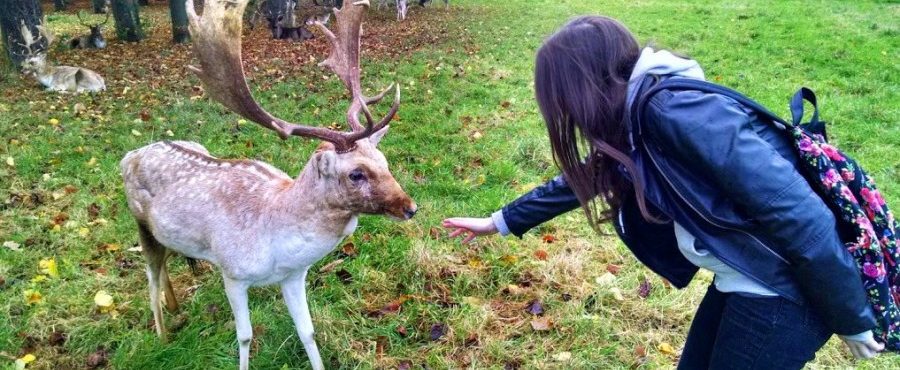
731, 179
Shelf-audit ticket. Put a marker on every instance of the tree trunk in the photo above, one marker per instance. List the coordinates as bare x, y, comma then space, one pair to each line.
143, 2
59, 5
99, 6
178, 12
12, 14
128, 21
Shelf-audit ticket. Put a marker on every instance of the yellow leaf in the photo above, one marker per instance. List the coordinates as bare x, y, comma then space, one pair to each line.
509, 259
32, 296
57, 227
48, 266
39, 278
475, 263
103, 300
53, 121
135, 132
472, 301
83, 232
92, 162
10, 162
23, 361
170, 133
666, 348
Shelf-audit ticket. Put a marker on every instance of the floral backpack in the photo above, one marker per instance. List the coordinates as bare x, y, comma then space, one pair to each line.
865, 224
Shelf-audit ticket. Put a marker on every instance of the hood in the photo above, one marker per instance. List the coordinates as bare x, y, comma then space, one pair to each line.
661, 62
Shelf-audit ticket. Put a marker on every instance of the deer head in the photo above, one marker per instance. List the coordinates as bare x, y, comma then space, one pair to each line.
95, 38
35, 60
347, 167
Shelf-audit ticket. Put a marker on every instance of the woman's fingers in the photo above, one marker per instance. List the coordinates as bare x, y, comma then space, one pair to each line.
457, 232
469, 238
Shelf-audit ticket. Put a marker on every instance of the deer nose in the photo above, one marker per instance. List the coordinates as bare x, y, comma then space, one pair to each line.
410, 212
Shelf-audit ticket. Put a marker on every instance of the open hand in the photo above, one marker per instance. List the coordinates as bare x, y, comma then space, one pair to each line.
470, 227
867, 348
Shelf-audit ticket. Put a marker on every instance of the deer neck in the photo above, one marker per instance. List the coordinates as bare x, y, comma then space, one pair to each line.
313, 207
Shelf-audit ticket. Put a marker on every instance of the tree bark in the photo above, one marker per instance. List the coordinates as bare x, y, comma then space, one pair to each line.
178, 12
143, 2
128, 21
12, 14
59, 5
99, 6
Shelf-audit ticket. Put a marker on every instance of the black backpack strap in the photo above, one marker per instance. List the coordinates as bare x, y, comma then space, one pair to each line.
682, 84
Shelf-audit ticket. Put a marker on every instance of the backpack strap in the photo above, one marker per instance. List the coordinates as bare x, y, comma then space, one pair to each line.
682, 84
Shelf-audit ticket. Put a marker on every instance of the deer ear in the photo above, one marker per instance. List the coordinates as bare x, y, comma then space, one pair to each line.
325, 163
378, 135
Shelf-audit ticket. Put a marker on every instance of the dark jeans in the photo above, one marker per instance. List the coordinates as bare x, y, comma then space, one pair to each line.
736, 331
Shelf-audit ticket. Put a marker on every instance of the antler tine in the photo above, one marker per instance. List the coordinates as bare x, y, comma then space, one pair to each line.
105, 20
217, 42
344, 62
80, 20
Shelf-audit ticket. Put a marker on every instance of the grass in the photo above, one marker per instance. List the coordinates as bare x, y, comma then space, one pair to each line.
469, 140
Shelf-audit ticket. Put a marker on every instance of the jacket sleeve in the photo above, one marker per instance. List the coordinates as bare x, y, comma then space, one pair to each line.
714, 135
539, 205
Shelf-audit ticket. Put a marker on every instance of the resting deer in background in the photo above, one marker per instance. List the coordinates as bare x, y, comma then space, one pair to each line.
59, 78
93, 40
255, 223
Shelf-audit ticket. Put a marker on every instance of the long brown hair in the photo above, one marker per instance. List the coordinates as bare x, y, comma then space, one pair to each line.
581, 85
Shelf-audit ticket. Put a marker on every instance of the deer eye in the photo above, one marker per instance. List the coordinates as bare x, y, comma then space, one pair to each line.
357, 175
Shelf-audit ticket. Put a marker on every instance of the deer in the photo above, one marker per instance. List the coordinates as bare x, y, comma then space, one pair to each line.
255, 223
93, 40
55, 78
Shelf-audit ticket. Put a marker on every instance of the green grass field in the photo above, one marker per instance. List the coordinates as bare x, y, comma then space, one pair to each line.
469, 139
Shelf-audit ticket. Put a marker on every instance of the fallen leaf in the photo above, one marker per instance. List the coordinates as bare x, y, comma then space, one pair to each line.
617, 293
548, 238
391, 307
605, 279
135, 132
93, 211
381, 344
613, 269
84, 232
60, 218
540, 254
98, 358
472, 340
349, 249
23, 361
401, 330
644, 288
437, 331
12, 245
541, 324
32, 296
514, 289
563, 356
39, 279
666, 349
48, 266
57, 338
110, 247
331, 265
404, 365
509, 259
535, 307
10, 162
472, 301
103, 300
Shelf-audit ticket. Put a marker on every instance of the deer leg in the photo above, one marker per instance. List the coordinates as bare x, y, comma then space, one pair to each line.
171, 300
294, 292
156, 259
237, 298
